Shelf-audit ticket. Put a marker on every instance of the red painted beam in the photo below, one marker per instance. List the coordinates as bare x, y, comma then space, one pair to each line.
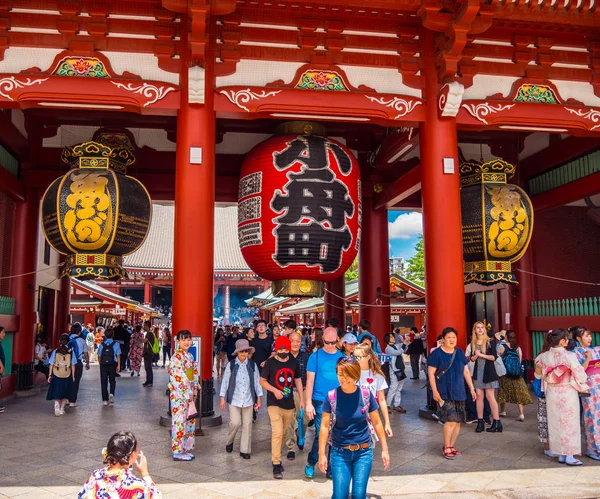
556, 154
568, 193
11, 186
405, 186
12, 138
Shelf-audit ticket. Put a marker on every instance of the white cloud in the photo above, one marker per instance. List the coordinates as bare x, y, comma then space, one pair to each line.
406, 226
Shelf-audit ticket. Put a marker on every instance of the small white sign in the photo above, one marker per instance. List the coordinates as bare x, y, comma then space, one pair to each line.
449, 165
395, 318
195, 155
507, 318
120, 311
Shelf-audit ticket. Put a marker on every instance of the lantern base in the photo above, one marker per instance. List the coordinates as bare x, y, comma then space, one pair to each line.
94, 266
298, 287
490, 278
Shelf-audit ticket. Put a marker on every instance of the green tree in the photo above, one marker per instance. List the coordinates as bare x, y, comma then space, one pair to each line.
415, 270
352, 272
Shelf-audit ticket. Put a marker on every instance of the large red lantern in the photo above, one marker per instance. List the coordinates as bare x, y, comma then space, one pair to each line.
299, 212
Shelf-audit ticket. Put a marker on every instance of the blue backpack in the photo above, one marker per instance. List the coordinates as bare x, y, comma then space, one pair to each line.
511, 361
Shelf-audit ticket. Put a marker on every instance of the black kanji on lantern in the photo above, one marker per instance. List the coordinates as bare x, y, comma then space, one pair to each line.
312, 151
316, 194
311, 244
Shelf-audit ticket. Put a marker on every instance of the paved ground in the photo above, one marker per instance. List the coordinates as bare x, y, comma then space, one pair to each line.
42, 456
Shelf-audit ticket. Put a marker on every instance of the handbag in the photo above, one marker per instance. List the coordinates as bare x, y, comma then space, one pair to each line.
192, 412
500, 367
536, 384
301, 428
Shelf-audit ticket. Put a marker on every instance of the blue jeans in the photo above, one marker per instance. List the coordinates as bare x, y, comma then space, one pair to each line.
346, 466
313, 455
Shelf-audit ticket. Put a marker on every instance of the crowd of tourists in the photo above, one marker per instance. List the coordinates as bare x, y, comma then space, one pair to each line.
471, 386
343, 383
117, 349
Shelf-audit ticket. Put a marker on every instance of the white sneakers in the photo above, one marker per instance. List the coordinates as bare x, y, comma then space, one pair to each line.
57, 411
72, 404
111, 399
105, 402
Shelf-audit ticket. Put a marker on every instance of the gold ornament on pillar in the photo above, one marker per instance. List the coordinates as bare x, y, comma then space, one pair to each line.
95, 214
497, 221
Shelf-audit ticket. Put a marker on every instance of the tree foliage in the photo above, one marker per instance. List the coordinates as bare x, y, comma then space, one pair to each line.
415, 270
352, 272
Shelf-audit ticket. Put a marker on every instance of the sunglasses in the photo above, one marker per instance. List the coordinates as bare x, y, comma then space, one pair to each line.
360, 357
346, 360
330, 342
244, 351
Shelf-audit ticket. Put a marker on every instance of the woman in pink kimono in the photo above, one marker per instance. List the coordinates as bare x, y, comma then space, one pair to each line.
563, 378
589, 358
184, 386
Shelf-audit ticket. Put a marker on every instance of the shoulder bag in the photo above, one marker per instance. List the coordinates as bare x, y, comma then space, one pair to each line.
439, 374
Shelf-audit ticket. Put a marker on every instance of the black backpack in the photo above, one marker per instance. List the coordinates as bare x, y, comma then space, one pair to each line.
107, 357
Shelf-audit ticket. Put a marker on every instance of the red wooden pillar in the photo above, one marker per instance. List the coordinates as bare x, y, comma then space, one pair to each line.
63, 309
442, 229
194, 225
25, 245
147, 292
335, 303
522, 304
374, 269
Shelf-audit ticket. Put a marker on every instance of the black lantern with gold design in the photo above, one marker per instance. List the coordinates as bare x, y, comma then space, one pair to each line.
497, 221
95, 214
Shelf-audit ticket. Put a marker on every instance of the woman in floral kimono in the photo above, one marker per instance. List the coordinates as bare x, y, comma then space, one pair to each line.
136, 350
589, 359
184, 386
563, 379
116, 479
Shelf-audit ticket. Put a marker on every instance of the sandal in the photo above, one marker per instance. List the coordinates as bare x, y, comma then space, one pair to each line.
447, 453
454, 451
576, 462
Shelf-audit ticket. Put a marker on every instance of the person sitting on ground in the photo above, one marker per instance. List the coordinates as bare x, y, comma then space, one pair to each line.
39, 360
116, 479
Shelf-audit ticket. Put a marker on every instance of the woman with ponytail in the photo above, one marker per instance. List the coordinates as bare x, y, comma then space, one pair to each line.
116, 480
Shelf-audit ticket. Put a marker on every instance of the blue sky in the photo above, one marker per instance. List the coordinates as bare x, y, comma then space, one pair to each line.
404, 230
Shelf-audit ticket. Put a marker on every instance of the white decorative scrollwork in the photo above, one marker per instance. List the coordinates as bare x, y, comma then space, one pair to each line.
242, 97
10, 83
401, 105
591, 114
196, 82
151, 92
479, 111
451, 96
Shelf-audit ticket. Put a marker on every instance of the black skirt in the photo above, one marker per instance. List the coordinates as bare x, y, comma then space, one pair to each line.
60, 388
453, 411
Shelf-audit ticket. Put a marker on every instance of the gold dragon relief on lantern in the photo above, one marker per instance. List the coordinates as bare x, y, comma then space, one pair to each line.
510, 230
89, 219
